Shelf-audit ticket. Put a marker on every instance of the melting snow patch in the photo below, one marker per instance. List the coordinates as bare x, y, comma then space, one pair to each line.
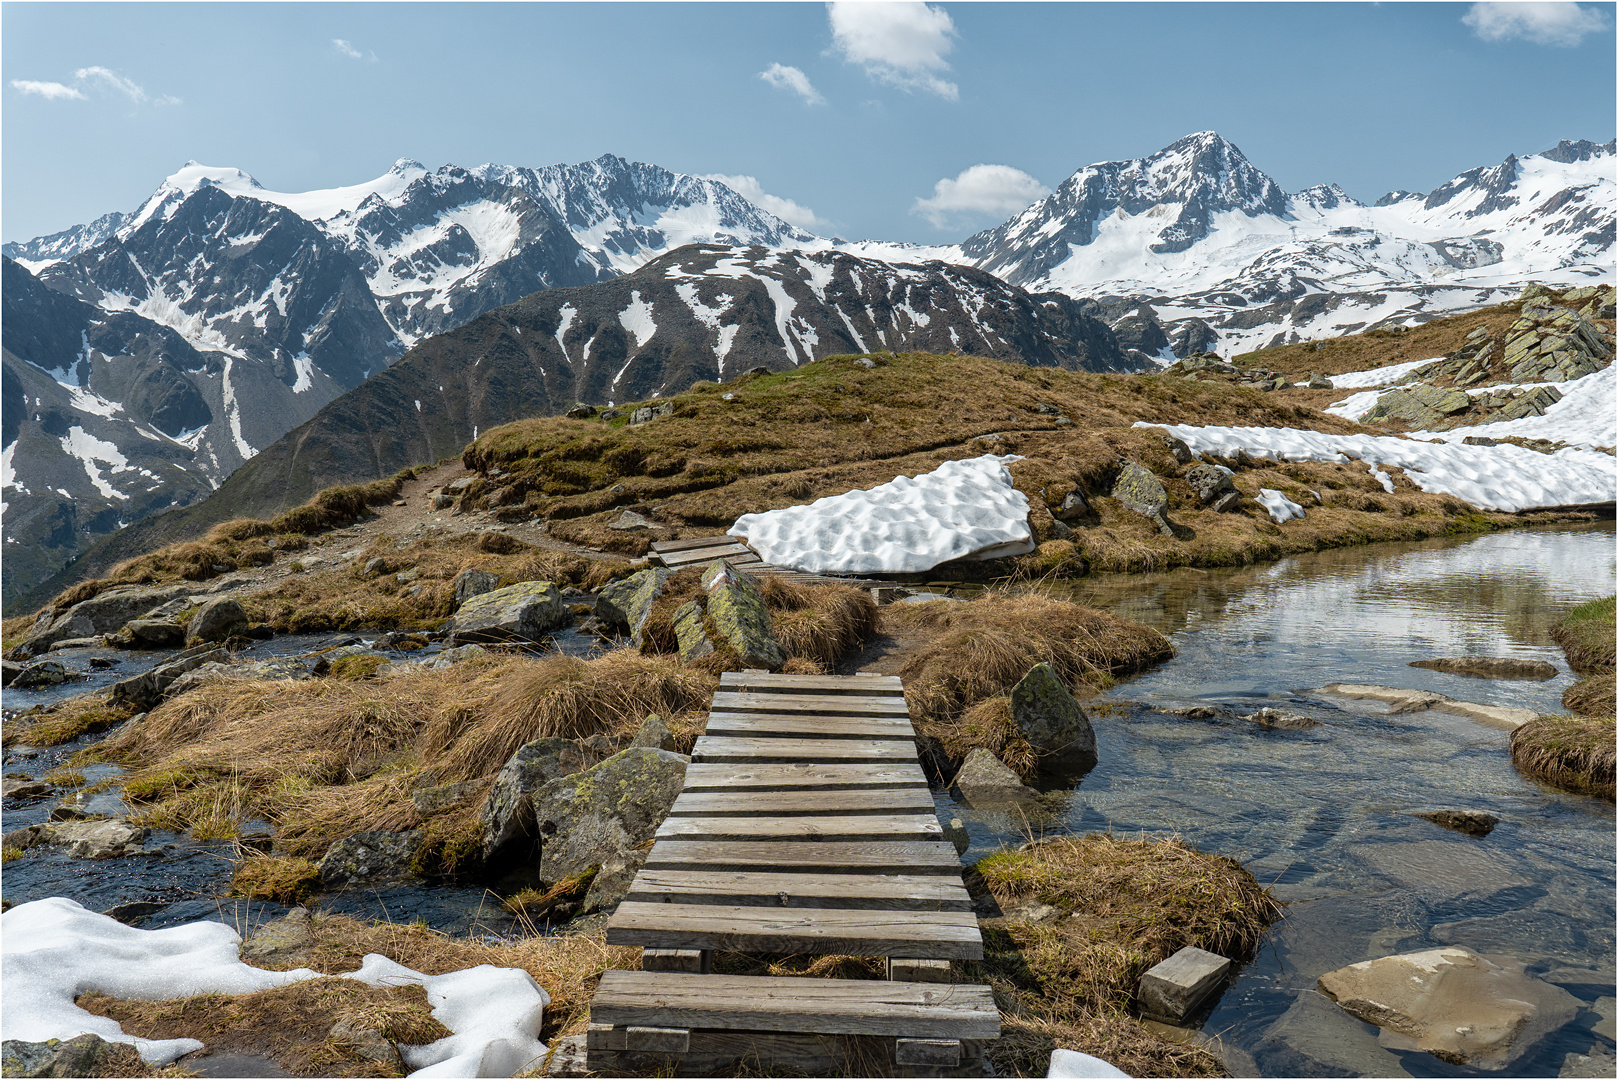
637, 319
89, 450
961, 509
1381, 376
55, 950
1280, 507
1503, 477
305, 368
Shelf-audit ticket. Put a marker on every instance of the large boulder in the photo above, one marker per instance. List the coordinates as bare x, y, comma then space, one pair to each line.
1453, 1004
1052, 721
101, 614
144, 691
522, 612
1139, 489
83, 1055
508, 815
628, 602
1214, 487
737, 611
601, 815
216, 620
474, 582
378, 855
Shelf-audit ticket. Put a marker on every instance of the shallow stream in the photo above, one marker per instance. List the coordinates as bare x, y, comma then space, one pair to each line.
1325, 814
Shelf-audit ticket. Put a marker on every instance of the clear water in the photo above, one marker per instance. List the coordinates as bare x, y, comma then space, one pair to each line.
1324, 815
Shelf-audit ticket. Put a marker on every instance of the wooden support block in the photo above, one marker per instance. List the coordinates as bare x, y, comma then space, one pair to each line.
914, 969
604, 1037
657, 1040
1173, 989
938, 1053
699, 961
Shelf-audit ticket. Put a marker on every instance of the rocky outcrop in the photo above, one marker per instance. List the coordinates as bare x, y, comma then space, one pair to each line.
603, 813
103, 613
1214, 487
522, 612
1139, 489
1453, 1004
216, 620
737, 612
1419, 406
508, 816
378, 855
1052, 721
627, 603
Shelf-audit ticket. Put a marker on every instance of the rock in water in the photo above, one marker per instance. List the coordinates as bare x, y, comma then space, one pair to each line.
522, 612
474, 582
86, 1055
736, 609
1139, 489
369, 856
108, 839
602, 814
215, 621
1490, 667
508, 816
155, 633
986, 782
1052, 721
629, 602
1282, 719
1470, 822
1453, 1004
43, 673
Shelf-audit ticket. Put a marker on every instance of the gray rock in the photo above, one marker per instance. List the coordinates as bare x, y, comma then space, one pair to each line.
474, 582
377, 855
105, 839
1490, 667
580, 411
454, 655
647, 413
101, 614
84, 1055
737, 611
691, 632
443, 501
432, 800
1597, 1062
508, 815
628, 601
1283, 719
215, 621
1452, 1003
146, 690
656, 734
279, 940
9, 670
984, 777
1052, 721
1210, 484
1138, 488
629, 521
77, 643
956, 833
603, 813
460, 485
375, 565
16, 787
1471, 822
1072, 508
521, 612
155, 633
42, 673
612, 882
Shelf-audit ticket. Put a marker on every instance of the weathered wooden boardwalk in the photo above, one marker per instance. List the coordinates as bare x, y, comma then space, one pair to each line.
702, 550
805, 827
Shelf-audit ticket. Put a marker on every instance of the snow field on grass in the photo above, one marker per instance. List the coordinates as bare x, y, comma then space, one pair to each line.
1280, 507
1381, 376
908, 525
1505, 477
54, 950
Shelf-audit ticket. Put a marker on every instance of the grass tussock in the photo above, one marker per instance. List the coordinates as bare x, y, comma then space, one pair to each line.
1575, 753
1588, 635
820, 623
1593, 695
1124, 905
277, 878
65, 721
289, 1024
979, 650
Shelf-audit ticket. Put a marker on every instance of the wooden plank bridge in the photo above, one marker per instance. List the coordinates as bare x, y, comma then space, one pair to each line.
805, 826
700, 551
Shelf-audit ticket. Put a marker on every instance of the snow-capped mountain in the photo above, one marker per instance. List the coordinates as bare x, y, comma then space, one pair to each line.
1221, 256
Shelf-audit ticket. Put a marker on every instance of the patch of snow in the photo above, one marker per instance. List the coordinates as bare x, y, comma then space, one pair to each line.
1381, 376
1280, 507
1587, 415
1072, 1065
88, 449
567, 314
418, 404
233, 412
305, 368
55, 950
637, 319
961, 509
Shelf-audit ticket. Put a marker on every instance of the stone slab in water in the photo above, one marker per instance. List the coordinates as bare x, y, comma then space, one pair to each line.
1490, 667
1174, 988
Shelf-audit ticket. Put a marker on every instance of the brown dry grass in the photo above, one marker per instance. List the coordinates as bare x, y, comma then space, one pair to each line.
1588, 635
274, 877
65, 721
956, 683
289, 1024
1123, 906
1593, 695
1571, 752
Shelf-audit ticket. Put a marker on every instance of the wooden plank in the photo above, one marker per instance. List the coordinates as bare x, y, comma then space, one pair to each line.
766, 682
815, 1006
661, 546
832, 857
683, 558
809, 829
932, 935
906, 892
729, 776
770, 725
803, 802
715, 748
829, 704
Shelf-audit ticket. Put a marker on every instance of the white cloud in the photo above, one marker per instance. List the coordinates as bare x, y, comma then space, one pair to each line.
1551, 22
346, 48
783, 77
903, 44
983, 189
114, 81
51, 91
750, 189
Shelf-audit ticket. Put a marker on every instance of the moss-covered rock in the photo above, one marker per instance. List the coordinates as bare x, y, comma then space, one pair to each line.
508, 815
378, 855
737, 611
691, 632
628, 603
600, 815
1052, 721
522, 612
1139, 489
215, 621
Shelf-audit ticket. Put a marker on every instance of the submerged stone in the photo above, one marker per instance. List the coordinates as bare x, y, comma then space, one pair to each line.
522, 612
1471, 822
1490, 667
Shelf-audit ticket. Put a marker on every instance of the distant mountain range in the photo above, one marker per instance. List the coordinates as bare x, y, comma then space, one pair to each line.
148, 355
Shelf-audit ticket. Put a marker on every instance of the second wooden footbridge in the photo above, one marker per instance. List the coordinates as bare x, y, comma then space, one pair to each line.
805, 827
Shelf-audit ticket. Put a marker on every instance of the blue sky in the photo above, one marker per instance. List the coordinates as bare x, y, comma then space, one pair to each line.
854, 113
